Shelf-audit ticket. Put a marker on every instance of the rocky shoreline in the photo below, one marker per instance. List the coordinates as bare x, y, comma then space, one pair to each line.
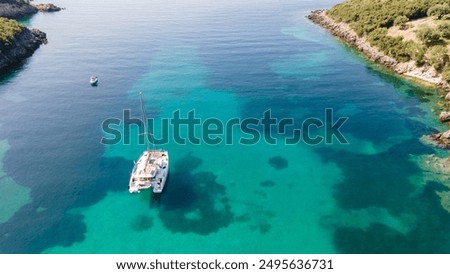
344, 32
26, 41
15, 10
426, 73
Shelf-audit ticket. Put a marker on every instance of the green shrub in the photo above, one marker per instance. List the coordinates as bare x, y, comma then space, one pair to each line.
401, 21
8, 29
377, 36
392, 46
369, 15
372, 18
439, 10
429, 36
358, 29
438, 57
444, 29
417, 52
446, 74
400, 50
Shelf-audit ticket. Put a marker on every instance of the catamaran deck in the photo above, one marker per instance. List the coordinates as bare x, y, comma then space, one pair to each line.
150, 171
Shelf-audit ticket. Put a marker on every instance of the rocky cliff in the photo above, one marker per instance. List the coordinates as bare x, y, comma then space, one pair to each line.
26, 41
16, 9
22, 46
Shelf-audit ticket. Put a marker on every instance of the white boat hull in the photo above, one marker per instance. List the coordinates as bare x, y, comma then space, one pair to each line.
150, 171
93, 80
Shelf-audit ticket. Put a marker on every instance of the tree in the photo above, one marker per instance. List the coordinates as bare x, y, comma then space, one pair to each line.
446, 74
439, 10
401, 21
444, 29
438, 57
417, 52
372, 19
429, 36
8, 29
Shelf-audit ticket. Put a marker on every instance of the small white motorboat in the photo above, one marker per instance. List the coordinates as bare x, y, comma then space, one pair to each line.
94, 80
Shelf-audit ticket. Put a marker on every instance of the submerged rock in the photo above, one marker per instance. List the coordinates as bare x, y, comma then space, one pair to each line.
267, 183
437, 170
278, 162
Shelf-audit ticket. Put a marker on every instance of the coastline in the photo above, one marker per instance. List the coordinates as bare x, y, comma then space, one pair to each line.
226, 63
21, 47
15, 10
25, 42
425, 74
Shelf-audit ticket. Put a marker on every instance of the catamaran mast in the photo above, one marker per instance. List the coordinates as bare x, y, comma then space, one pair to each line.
144, 119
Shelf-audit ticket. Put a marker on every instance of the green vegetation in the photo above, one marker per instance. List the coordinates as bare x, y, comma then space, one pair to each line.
439, 10
418, 52
429, 36
373, 18
8, 29
401, 22
366, 16
444, 29
438, 57
446, 74
392, 46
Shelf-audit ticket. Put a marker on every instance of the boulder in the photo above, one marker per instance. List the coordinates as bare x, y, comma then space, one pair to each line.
447, 97
446, 135
441, 140
444, 117
40, 37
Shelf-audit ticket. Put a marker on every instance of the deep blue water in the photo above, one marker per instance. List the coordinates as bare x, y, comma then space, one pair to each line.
62, 191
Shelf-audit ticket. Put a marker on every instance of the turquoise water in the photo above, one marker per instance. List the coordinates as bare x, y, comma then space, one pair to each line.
62, 191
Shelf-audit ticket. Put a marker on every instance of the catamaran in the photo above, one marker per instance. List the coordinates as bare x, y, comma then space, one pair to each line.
152, 167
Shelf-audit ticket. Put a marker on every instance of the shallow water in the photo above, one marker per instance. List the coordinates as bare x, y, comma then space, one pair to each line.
62, 191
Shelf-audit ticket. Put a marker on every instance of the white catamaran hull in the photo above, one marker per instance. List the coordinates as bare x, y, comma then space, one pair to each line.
151, 170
